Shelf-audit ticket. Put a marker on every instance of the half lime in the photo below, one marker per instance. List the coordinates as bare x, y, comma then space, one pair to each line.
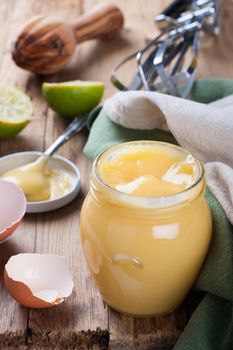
73, 98
15, 110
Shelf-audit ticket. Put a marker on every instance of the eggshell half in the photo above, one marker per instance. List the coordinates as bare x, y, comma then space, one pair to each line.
38, 280
12, 208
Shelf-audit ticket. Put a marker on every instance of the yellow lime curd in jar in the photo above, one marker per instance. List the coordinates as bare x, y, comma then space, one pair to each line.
145, 226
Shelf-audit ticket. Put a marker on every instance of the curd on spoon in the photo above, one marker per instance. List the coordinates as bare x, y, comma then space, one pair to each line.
39, 182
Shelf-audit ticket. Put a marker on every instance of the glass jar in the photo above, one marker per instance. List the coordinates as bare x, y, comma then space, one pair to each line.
144, 253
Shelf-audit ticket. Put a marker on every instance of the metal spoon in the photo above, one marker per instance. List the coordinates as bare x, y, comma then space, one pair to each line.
74, 127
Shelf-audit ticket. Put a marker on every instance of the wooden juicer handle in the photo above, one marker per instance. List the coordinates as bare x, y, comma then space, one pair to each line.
103, 20
46, 43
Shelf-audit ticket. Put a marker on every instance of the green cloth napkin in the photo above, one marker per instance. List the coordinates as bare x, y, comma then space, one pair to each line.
211, 325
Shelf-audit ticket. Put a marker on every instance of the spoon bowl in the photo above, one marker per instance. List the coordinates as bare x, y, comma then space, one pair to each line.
15, 160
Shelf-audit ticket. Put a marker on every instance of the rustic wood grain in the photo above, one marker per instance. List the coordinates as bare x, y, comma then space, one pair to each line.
13, 317
83, 321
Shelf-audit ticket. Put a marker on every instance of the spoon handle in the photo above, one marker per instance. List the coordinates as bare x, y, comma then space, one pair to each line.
77, 125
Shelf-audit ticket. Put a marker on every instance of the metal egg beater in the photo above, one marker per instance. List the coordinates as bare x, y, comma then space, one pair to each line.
162, 64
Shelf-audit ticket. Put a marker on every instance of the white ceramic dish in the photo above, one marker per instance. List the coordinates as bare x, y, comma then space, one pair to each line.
15, 160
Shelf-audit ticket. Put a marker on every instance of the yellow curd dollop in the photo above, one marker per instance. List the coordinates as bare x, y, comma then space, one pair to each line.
148, 171
39, 182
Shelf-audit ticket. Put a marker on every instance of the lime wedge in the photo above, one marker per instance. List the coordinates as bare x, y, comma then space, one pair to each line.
73, 97
15, 110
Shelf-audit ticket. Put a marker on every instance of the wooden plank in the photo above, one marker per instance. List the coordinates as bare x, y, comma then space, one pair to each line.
58, 233
216, 54
5, 13
143, 333
14, 318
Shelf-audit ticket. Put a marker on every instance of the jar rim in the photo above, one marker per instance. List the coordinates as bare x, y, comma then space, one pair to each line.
155, 201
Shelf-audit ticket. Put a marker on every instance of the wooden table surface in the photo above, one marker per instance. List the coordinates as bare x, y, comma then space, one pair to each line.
83, 321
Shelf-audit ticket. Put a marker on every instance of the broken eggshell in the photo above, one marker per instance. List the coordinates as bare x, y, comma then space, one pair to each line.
12, 208
38, 280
